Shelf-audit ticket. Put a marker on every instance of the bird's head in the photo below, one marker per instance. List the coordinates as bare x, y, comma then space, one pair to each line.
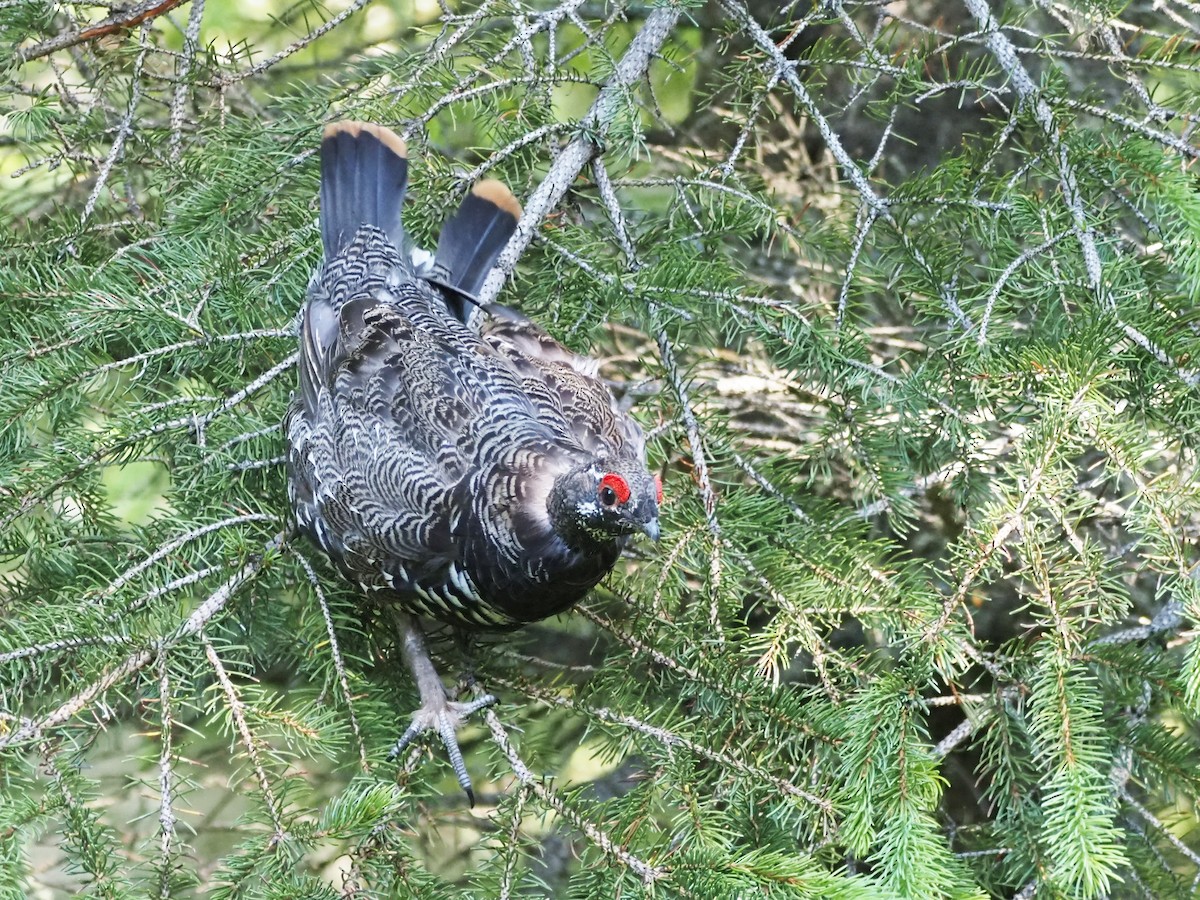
602, 502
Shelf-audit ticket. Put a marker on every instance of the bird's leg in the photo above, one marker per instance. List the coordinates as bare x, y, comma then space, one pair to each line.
438, 712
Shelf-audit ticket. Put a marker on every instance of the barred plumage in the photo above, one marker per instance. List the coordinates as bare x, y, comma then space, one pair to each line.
483, 476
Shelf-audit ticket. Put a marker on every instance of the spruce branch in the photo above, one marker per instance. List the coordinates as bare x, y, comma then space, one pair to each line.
335, 651
901, 295
850, 169
227, 80
237, 711
1002, 48
167, 819
35, 729
669, 740
571, 160
647, 873
138, 14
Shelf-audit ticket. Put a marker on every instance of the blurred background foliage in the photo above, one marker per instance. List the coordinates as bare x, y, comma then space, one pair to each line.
904, 295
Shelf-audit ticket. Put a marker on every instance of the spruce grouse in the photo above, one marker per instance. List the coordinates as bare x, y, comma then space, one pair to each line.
453, 461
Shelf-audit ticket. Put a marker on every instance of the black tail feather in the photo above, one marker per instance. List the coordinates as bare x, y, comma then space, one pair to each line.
471, 240
364, 173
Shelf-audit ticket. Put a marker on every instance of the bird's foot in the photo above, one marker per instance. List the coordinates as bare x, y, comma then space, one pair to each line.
443, 716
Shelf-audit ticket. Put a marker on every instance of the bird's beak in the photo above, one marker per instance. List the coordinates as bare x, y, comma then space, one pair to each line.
650, 529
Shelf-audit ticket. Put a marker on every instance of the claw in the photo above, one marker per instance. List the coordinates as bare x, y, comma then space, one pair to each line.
438, 713
443, 716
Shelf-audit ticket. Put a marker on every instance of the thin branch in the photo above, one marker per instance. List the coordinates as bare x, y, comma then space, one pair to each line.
647, 873
166, 811
138, 14
335, 652
124, 130
191, 44
586, 145
223, 81
237, 710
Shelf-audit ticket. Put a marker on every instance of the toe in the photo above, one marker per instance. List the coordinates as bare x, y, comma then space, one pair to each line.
444, 717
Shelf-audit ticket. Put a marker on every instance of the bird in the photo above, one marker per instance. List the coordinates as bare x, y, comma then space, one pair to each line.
452, 459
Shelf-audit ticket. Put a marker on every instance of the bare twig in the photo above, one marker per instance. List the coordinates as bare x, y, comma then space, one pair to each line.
138, 14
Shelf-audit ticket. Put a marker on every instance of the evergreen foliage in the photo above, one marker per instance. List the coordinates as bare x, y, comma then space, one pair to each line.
904, 294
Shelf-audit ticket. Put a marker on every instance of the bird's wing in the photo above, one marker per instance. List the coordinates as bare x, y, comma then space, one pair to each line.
568, 393
415, 419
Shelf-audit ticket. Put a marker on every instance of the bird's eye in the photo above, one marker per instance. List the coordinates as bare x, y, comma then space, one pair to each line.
613, 490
